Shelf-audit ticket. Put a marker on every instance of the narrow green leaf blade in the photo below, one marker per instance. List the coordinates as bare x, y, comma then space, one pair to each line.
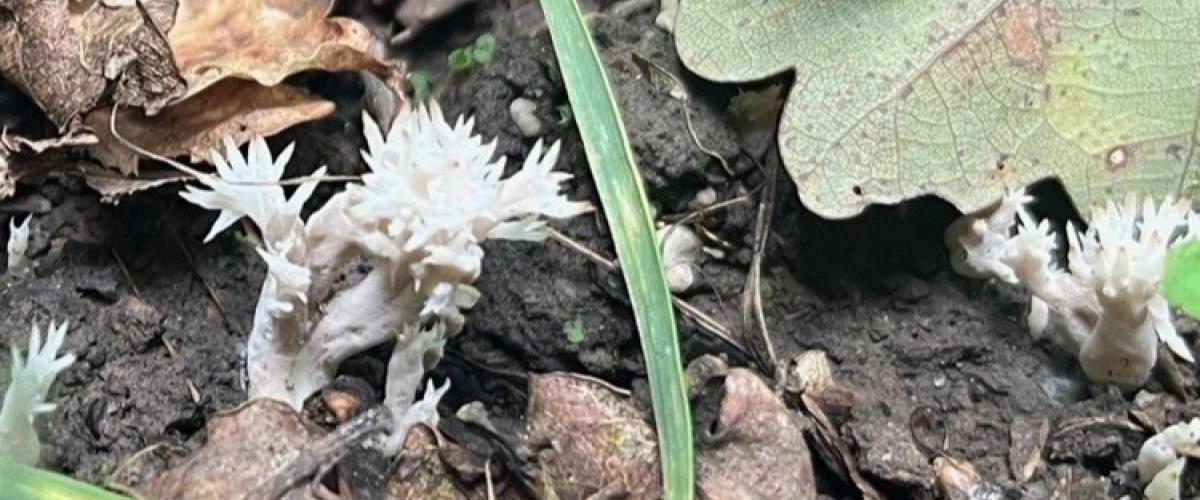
1181, 281
20, 482
628, 213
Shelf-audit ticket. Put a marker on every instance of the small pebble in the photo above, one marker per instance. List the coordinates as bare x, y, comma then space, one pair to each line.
704, 199
939, 380
522, 112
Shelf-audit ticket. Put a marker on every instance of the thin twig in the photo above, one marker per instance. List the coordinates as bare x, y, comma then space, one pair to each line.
212, 294
685, 99
125, 272
487, 475
626, 8
112, 128
704, 321
753, 316
686, 217
323, 452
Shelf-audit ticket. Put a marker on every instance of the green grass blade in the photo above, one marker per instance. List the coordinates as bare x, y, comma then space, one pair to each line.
628, 214
20, 482
1181, 280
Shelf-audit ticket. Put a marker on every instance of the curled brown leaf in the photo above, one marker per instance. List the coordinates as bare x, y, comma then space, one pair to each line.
234, 108
592, 439
267, 40
63, 54
758, 450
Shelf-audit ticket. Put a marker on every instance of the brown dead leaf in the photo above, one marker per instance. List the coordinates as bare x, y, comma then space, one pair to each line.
758, 450
244, 446
591, 439
235, 108
419, 471
20, 157
1027, 439
416, 15
832, 447
957, 479
268, 40
63, 54
113, 186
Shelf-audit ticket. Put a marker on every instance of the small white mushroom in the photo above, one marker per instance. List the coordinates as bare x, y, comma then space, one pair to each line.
682, 251
666, 15
810, 373
1165, 485
18, 244
704, 198
1159, 463
522, 112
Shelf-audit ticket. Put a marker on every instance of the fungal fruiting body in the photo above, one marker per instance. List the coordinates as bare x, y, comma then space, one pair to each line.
27, 393
433, 194
1107, 299
18, 245
1159, 464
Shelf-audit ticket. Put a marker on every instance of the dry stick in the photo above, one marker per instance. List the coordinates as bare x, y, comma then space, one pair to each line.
1178, 382
311, 458
487, 474
828, 433
112, 128
689, 216
752, 306
212, 294
125, 272
704, 321
685, 100
626, 8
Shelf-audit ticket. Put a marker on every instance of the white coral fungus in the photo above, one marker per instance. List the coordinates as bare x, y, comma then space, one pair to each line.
27, 392
1107, 298
1159, 464
18, 244
433, 194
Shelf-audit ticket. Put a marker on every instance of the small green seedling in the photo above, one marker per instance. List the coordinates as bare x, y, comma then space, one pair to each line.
422, 85
564, 114
464, 59
574, 330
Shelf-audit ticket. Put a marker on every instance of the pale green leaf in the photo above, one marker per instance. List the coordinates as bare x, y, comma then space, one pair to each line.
965, 98
1181, 280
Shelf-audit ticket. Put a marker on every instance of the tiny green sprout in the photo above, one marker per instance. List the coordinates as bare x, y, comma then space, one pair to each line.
1181, 279
564, 114
460, 60
574, 330
422, 85
484, 49
479, 53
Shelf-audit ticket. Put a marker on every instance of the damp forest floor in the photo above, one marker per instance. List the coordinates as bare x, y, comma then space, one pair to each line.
934, 364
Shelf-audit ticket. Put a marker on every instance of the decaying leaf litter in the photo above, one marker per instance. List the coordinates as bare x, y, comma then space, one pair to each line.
929, 384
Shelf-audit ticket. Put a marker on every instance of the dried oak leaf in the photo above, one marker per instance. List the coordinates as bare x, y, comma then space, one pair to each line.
63, 54
591, 439
758, 449
21, 158
419, 471
244, 445
268, 40
112, 186
415, 16
235, 108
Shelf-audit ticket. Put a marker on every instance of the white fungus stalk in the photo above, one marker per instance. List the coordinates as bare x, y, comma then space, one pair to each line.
18, 245
26, 397
1108, 298
682, 252
432, 195
1159, 464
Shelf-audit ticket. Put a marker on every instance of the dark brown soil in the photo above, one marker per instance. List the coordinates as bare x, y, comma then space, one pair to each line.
936, 363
